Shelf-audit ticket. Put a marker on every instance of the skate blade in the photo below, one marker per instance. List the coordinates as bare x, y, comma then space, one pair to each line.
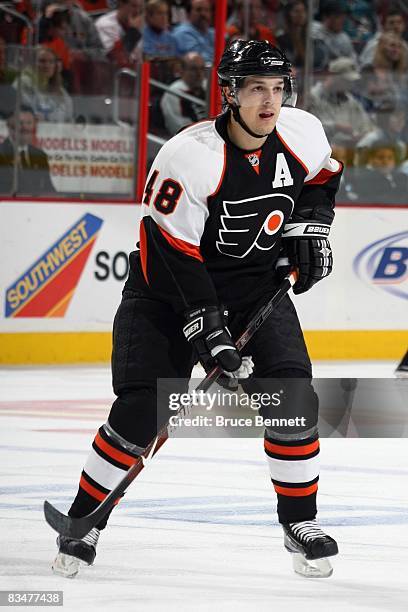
316, 568
66, 565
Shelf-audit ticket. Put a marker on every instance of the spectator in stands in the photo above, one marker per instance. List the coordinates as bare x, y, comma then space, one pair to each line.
7, 91
31, 163
273, 14
80, 33
341, 151
381, 181
390, 124
361, 22
391, 57
333, 102
179, 112
292, 39
52, 28
178, 12
256, 29
383, 7
121, 32
42, 89
157, 40
330, 32
375, 89
196, 34
394, 22
387, 74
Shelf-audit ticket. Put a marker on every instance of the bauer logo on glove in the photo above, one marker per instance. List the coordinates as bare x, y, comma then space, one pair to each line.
317, 229
193, 328
306, 247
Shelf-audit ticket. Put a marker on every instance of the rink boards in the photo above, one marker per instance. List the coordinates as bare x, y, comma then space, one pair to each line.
64, 265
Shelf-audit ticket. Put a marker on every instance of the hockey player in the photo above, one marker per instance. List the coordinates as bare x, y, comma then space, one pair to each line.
222, 198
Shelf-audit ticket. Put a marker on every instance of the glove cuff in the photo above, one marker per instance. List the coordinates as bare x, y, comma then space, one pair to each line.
308, 229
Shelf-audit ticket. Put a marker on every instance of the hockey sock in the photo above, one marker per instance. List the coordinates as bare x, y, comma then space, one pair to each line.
110, 458
294, 469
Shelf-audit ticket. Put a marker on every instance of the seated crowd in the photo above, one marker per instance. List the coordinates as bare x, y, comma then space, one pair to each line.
358, 60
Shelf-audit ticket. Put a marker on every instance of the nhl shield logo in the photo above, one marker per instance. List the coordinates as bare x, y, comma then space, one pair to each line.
253, 223
253, 159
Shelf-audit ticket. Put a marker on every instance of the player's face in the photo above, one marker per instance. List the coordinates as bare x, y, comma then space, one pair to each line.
260, 102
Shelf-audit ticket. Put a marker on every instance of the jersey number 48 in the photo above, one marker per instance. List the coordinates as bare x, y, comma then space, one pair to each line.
167, 197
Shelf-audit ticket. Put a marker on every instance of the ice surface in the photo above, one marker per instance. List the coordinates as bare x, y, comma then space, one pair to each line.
198, 529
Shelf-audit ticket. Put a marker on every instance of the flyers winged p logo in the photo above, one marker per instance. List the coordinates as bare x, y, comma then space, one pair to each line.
253, 223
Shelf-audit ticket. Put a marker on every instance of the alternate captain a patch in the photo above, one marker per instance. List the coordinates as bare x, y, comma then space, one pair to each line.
253, 223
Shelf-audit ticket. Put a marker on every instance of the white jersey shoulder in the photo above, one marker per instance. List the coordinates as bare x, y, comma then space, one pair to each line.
194, 156
303, 134
195, 159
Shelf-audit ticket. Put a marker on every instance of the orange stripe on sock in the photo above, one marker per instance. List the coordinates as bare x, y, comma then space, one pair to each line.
300, 492
113, 452
93, 492
291, 450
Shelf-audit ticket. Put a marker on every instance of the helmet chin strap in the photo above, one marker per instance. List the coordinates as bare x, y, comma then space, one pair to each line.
237, 116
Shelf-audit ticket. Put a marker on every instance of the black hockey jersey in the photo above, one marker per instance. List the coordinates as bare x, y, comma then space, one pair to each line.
213, 214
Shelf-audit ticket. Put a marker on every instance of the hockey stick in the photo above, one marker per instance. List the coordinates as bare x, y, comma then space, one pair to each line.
402, 369
78, 527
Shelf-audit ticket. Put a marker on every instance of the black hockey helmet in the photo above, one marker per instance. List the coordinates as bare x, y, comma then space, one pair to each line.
245, 58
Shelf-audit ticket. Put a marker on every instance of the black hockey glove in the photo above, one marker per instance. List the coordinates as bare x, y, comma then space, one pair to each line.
306, 247
207, 332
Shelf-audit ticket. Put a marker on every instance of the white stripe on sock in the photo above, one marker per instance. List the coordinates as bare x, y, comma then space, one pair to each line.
294, 471
103, 472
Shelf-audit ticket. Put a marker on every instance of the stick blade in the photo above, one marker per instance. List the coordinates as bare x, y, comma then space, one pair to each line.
402, 369
65, 525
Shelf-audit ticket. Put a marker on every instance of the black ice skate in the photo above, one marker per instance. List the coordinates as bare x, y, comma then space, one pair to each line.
310, 547
73, 553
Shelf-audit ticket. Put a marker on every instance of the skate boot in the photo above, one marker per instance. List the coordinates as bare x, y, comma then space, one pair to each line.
310, 547
73, 553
